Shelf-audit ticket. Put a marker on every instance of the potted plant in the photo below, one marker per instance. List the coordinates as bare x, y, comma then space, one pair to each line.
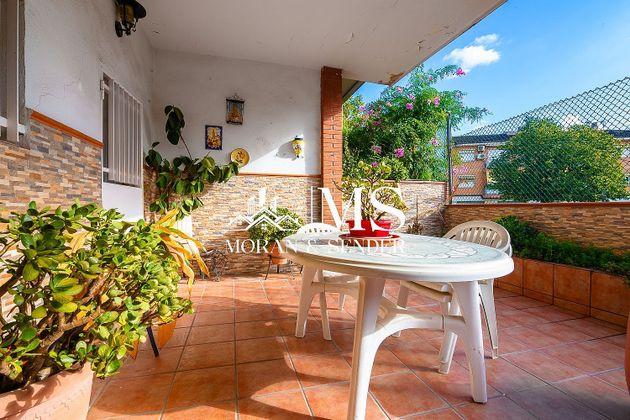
180, 183
268, 235
84, 287
372, 179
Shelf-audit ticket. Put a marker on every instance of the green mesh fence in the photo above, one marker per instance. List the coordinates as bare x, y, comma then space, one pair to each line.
573, 150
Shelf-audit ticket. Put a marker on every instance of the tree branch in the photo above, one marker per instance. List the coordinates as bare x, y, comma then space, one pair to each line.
69, 326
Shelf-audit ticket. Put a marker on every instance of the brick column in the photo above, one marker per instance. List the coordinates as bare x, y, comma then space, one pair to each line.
332, 142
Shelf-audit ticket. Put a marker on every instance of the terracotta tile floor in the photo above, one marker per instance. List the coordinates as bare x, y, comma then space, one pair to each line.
237, 357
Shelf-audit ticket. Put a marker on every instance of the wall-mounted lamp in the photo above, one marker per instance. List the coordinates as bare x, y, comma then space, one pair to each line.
298, 146
128, 13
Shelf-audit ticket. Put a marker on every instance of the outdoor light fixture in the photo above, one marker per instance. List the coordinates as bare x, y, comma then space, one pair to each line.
128, 13
298, 146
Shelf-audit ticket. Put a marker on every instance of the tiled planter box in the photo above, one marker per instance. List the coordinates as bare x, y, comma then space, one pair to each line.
581, 290
572, 288
610, 298
538, 280
513, 281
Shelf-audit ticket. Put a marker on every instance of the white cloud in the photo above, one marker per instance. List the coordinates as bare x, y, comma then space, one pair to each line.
476, 54
487, 39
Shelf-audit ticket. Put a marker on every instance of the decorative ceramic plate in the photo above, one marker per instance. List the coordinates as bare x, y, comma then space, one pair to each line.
240, 156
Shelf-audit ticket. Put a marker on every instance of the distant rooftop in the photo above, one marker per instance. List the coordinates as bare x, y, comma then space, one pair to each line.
606, 108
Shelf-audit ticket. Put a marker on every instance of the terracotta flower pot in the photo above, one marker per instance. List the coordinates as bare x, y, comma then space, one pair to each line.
164, 333
63, 396
276, 257
367, 230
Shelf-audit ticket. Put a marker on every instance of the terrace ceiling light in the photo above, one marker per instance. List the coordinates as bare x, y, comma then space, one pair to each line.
128, 13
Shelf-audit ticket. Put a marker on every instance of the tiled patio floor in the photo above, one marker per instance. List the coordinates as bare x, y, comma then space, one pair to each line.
237, 357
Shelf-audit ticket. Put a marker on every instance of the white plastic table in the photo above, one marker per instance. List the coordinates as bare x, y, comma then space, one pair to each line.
416, 258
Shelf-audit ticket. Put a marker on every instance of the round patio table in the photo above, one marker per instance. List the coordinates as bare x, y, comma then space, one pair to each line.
414, 258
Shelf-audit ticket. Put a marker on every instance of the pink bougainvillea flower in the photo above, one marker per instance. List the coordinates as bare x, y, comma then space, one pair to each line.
436, 101
409, 105
377, 149
460, 72
362, 108
399, 89
400, 152
412, 96
430, 78
377, 122
434, 141
374, 164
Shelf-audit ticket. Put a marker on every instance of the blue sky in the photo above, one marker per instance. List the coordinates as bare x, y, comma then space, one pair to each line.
532, 52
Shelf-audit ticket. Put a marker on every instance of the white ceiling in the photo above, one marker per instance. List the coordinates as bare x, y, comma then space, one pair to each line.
370, 40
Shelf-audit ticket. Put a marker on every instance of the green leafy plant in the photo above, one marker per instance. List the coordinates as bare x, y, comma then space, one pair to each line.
182, 181
268, 234
370, 177
85, 287
529, 242
402, 126
545, 162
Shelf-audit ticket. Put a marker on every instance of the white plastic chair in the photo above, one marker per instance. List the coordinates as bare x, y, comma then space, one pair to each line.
325, 282
480, 232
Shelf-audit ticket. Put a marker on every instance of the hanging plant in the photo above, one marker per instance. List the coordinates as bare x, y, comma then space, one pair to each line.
182, 181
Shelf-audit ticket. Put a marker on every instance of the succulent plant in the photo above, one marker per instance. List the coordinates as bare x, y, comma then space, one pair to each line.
85, 287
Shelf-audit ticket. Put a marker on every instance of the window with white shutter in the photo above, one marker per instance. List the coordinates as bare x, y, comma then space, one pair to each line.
122, 135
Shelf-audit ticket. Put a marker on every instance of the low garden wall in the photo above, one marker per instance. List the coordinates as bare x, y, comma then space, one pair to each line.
426, 200
588, 292
600, 224
584, 290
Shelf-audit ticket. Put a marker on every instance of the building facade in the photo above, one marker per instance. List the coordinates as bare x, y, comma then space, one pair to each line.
604, 108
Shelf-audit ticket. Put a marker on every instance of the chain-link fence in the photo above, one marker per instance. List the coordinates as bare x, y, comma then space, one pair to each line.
575, 149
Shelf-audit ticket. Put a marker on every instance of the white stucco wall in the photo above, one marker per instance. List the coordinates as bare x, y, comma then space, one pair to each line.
128, 200
280, 102
69, 44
